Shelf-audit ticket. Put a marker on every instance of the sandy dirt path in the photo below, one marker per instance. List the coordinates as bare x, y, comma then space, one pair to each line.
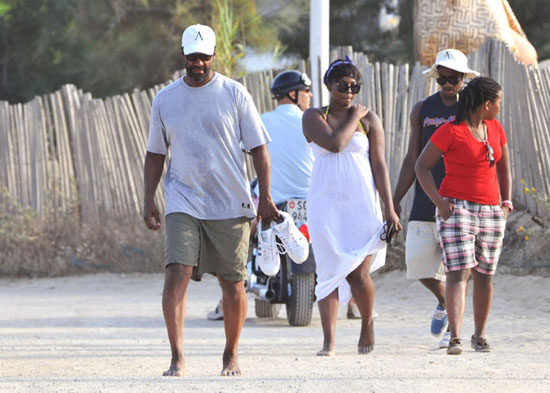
105, 333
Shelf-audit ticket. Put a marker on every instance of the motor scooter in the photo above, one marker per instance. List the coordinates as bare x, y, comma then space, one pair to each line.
293, 285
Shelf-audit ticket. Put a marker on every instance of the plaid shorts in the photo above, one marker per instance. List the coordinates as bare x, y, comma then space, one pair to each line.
471, 237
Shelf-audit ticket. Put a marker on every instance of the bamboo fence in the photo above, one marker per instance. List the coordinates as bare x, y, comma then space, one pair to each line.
69, 152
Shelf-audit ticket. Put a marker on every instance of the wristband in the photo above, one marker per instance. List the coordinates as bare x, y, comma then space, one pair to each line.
509, 205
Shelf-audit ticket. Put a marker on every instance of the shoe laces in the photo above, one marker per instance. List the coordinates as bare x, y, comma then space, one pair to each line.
439, 315
288, 238
274, 245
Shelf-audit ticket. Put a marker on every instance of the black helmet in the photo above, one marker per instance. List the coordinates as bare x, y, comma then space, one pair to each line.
289, 81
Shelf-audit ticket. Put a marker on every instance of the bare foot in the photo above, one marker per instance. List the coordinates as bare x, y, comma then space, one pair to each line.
230, 365
326, 351
177, 369
364, 350
366, 339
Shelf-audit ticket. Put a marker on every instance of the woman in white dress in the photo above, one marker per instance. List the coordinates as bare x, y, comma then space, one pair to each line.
344, 216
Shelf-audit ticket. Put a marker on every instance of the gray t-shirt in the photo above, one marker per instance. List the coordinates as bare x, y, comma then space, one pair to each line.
204, 128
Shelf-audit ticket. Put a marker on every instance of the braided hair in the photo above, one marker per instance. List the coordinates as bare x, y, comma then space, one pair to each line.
340, 68
476, 93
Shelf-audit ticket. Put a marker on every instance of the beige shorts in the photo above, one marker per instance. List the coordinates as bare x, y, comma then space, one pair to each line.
423, 252
218, 247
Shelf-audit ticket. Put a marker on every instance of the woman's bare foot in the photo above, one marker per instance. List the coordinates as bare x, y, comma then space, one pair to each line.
366, 339
327, 350
177, 369
364, 350
230, 365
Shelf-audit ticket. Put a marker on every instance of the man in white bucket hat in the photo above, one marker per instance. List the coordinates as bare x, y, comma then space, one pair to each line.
422, 251
203, 119
452, 59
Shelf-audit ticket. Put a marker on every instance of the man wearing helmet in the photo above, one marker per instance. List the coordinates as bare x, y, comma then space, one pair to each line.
291, 156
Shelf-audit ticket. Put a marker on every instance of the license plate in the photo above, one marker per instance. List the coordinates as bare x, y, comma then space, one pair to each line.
297, 209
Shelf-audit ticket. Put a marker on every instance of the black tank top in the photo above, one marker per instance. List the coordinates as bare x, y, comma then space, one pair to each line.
433, 114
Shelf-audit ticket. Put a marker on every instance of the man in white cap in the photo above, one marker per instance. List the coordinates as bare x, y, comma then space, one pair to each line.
422, 251
203, 118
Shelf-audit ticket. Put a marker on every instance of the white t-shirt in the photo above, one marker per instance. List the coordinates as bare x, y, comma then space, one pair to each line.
204, 128
291, 155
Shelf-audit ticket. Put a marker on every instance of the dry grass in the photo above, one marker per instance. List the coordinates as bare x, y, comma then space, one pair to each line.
57, 246
37, 247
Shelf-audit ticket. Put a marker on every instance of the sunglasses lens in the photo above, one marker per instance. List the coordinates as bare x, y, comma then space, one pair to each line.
452, 80
195, 56
344, 87
490, 153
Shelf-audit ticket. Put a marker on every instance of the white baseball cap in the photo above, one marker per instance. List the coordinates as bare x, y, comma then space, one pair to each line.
453, 59
198, 39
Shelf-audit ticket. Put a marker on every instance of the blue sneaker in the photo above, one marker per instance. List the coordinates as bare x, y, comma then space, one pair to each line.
439, 321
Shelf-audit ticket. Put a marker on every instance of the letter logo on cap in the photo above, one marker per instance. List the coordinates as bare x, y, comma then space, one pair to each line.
199, 35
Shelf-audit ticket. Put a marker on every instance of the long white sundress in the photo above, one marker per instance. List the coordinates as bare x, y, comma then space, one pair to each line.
344, 216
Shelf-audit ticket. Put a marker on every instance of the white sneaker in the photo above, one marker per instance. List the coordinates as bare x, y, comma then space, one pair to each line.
217, 314
444, 343
268, 254
294, 241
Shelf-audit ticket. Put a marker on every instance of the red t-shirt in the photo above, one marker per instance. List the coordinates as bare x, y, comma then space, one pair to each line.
467, 172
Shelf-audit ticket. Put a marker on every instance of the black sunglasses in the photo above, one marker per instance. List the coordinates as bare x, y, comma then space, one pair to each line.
453, 80
389, 233
490, 154
195, 56
343, 87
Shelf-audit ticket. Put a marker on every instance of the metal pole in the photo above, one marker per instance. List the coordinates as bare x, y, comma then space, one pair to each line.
319, 48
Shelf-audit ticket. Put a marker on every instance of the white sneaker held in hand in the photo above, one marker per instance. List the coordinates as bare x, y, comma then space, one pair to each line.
268, 254
293, 240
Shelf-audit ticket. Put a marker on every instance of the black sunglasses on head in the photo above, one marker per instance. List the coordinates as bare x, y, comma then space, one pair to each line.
453, 80
195, 56
343, 87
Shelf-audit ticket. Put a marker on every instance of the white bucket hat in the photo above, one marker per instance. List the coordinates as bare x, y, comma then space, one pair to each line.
453, 59
198, 39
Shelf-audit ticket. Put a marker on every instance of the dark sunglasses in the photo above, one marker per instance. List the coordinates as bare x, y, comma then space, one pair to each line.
389, 233
490, 154
453, 80
195, 56
343, 87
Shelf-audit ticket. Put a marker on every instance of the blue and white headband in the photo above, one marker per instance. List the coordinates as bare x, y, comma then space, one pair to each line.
347, 60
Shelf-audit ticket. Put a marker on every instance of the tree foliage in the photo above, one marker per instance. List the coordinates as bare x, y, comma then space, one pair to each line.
533, 16
352, 22
112, 46
106, 46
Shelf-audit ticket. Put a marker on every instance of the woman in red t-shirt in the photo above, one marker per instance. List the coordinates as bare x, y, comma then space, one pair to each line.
472, 203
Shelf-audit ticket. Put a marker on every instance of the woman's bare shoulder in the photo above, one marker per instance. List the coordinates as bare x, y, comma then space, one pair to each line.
370, 120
